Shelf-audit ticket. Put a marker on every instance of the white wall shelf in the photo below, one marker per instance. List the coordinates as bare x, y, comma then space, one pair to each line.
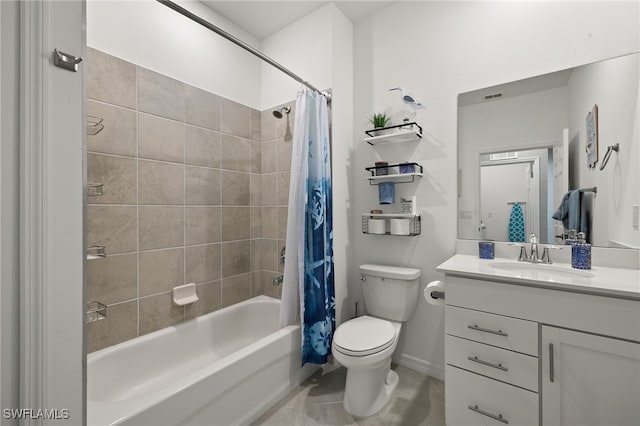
415, 225
406, 132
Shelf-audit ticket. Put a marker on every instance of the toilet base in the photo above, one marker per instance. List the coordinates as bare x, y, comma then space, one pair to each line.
368, 389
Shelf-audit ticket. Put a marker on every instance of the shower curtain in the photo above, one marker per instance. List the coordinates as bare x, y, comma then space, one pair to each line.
308, 271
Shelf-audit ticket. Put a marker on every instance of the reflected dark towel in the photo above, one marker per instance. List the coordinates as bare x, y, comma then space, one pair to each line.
575, 212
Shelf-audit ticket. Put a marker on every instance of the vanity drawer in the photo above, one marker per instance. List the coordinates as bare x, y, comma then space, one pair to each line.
477, 400
497, 330
501, 364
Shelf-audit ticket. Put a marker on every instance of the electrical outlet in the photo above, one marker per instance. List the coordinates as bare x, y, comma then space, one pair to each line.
635, 215
465, 214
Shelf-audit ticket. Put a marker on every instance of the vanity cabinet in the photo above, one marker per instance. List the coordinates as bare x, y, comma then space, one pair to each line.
589, 380
525, 355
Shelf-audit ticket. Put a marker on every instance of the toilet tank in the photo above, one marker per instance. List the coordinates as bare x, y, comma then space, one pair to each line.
390, 292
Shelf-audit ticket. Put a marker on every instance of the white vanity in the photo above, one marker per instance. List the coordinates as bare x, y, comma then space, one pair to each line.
548, 345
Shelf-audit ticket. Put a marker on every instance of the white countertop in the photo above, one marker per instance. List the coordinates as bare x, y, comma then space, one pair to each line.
605, 281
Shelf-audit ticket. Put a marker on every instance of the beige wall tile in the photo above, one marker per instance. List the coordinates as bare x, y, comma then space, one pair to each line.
255, 195
161, 270
118, 176
160, 138
256, 254
203, 147
113, 227
235, 188
236, 153
268, 125
236, 223
236, 258
202, 225
281, 245
160, 95
269, 222
236, 289
282, 223
110, 79
256, 157
270, 254
203, 186
235, 119
112, 279
269, 189
282, 197
256, 222
256, 125
158, 312
209, 300
283, 148
119, 133
256, 284
161, 227
202, 108
268, 289
203, 263
160, 183
269, 154
120, 324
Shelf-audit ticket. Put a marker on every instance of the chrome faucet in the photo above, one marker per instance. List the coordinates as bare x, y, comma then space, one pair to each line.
533, 257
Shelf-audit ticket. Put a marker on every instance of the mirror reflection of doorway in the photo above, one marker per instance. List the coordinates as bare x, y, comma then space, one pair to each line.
518, 181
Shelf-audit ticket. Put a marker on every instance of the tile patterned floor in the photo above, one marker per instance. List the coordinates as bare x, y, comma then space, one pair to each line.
418, 400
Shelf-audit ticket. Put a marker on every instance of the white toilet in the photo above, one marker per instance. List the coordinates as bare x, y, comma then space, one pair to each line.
364, 345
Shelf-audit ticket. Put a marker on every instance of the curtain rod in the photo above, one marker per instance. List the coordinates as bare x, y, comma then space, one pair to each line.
181, 10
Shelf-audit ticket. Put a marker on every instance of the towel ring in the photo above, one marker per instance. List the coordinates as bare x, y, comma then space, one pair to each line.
610, 149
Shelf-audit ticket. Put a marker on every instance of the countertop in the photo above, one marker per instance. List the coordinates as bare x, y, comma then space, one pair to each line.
604, 281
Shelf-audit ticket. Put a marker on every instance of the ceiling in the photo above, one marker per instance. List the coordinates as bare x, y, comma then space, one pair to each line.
263, 18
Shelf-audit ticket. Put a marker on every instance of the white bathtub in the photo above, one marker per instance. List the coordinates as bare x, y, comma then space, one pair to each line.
224, 368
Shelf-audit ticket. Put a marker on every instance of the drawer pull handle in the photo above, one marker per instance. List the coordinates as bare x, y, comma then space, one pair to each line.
487, 330
487, 363
484, 413
551, 369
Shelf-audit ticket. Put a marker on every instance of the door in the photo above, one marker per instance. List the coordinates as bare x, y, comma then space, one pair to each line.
518, 181
589, 380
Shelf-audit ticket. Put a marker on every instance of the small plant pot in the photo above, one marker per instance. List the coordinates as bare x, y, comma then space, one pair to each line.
381, 131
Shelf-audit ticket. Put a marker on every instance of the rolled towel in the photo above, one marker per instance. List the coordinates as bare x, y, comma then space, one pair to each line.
386, 192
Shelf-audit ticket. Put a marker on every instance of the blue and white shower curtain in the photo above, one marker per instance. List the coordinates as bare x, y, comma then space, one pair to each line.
308, 271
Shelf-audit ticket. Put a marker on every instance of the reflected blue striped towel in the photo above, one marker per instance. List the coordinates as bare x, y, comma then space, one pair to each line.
516, 224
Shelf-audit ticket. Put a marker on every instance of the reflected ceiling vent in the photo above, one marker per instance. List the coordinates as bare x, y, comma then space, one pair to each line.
492, 96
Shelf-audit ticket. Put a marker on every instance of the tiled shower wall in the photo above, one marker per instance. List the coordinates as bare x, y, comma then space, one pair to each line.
195, 190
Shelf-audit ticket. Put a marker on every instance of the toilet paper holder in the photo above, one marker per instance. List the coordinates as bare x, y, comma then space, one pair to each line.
437, 294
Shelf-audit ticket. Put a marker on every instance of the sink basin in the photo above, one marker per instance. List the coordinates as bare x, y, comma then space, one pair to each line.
538, 270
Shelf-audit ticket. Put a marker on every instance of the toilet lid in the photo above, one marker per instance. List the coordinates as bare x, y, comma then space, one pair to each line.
364, 335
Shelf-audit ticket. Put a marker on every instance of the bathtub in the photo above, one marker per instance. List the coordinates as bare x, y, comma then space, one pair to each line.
224, 368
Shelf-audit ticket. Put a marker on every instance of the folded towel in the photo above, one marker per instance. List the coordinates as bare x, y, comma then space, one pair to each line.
386, 192
516, 224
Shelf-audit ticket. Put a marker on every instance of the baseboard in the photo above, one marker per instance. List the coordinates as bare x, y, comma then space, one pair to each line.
420, 365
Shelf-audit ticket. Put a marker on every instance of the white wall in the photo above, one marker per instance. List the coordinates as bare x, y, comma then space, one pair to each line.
9, 213
613, 85
438, 50
153, 36
319, 48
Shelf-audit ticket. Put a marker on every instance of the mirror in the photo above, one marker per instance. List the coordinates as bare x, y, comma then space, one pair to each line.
523, 156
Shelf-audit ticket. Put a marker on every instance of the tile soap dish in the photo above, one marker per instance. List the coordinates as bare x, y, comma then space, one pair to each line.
185, 294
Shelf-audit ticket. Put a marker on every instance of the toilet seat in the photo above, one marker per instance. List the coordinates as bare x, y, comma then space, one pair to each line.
364, 336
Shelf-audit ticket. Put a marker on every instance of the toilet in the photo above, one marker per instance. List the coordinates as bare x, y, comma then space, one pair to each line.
364, 345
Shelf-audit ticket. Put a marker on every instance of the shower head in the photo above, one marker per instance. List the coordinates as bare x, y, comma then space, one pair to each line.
278, 113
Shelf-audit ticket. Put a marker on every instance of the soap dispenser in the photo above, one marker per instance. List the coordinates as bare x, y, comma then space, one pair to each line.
581, 253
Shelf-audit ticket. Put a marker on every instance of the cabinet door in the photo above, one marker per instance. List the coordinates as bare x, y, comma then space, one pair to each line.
589, 380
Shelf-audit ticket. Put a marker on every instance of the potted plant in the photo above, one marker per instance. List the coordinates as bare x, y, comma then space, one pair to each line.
379, 121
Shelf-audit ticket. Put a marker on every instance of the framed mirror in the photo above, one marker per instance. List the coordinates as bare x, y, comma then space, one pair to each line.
531, 156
